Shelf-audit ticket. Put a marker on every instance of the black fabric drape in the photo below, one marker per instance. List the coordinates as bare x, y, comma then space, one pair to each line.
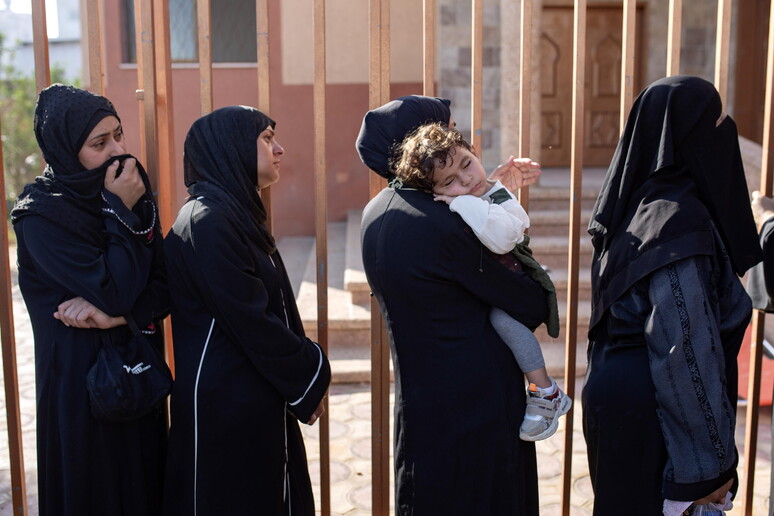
222, 164
385, 127
674, 175
72, 242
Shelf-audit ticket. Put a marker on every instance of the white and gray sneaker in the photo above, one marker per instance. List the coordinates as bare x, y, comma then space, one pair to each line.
541, 418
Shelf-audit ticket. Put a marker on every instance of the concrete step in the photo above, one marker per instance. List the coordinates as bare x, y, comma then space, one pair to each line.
552, 251
555, 222
559, 277
348, 323
354, 273
557, 198
295, 255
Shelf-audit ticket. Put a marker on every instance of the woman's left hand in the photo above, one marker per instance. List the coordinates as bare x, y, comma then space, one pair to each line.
516, 173
718, 496
317, 412
79, 313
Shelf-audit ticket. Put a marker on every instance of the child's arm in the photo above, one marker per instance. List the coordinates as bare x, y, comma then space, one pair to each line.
498, 226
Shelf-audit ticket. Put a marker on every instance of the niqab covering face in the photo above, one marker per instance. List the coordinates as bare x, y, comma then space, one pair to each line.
674, 175
221, 163
67, 193
385, 127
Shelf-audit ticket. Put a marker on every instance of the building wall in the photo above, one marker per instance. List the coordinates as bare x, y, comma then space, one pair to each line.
291, 64
347, 69
64, 48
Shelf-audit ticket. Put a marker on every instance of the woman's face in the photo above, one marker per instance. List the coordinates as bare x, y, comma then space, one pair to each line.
269, 154
105, 141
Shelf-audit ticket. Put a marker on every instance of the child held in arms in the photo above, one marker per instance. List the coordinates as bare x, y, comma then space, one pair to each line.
437, 159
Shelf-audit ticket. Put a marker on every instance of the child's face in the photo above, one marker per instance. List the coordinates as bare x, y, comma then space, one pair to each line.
463, 176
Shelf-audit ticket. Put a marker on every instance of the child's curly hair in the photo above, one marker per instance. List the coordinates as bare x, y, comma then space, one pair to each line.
429, 147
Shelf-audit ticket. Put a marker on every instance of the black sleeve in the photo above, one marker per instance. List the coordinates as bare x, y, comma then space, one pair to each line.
480, 272
111, 278
767, 244
687, 363
238, 298
760, 278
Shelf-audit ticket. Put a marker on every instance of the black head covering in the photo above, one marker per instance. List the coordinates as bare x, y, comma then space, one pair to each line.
220, 161
66, 193
673, 177
386, 126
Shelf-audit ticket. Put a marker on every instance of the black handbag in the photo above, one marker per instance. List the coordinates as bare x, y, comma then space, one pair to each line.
128, 379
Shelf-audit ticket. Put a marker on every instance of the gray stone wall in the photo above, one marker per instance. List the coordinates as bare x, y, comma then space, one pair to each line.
501, 64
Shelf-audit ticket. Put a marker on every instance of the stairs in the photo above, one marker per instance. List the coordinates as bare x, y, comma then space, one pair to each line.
349, 317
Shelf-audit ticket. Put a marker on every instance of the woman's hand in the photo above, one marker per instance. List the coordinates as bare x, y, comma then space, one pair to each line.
128, 186
318, 412
718, 496
517, 173
79, 313
762, 208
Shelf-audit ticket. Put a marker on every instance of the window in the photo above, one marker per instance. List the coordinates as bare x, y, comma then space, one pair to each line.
232, 28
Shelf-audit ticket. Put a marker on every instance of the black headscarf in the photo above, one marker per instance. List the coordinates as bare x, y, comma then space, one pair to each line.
385, 127
221, 163
673, 177
66, 193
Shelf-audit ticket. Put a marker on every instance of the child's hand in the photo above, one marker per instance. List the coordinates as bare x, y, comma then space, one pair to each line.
517, 173
443, 198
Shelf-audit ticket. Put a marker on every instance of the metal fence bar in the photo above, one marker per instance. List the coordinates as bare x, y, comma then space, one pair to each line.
428, 47
573, 254
525, 89
10, 371
164, 111
674, 29
40, 44
264, 91
321, 237
378, 94
722, 48
204, 25
476, 72
95, 29
146, 82
756, 339
627, 58
165, 134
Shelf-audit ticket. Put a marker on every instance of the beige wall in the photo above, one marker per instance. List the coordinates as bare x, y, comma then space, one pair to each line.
347, 25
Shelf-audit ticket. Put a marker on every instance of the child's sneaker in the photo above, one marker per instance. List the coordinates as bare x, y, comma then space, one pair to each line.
543, 412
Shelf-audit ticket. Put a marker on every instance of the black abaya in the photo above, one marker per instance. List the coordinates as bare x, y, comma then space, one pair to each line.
77, 240
459, 394
246, 374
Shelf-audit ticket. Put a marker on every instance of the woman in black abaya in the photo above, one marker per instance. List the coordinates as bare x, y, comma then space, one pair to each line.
90, 260
672, 230
246, 374
459, 394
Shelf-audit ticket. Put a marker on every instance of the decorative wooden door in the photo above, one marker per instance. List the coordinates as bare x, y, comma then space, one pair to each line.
603, 83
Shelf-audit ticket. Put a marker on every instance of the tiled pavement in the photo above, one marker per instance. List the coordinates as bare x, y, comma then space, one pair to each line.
350, 446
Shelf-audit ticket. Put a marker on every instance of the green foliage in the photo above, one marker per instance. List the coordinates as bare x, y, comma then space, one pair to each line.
18, 94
